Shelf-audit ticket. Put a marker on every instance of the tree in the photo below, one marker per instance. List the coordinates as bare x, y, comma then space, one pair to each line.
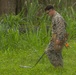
11, 6
7, 6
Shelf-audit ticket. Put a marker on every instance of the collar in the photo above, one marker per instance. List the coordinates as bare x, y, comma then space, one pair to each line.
54, 14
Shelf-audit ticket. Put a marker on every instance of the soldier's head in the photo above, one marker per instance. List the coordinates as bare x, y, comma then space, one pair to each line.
50, 10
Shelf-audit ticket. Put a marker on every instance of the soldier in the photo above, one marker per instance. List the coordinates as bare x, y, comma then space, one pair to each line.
54, 49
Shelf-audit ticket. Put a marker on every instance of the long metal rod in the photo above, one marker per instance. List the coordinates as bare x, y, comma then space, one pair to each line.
35, 63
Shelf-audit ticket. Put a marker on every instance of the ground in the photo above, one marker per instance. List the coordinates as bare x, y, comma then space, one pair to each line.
10, 62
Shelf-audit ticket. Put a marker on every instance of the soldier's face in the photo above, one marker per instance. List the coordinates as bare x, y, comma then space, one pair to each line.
50, 12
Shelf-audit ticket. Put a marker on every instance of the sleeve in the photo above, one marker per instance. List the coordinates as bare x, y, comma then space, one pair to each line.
60, 28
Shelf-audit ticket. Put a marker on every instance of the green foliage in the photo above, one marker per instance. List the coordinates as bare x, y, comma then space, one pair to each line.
70, 17
11, 38
9, 31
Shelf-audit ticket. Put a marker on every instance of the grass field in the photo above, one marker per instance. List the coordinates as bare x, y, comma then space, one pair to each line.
10, 61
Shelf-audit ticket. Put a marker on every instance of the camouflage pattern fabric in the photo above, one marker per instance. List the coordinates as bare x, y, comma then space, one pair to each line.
58, 28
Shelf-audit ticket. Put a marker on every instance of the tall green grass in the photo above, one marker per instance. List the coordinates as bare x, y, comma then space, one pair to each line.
12, 38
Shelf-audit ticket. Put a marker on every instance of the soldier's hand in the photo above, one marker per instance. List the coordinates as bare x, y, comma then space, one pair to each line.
57, 42
58, 45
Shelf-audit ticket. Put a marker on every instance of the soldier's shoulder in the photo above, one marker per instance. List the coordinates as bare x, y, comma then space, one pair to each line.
58, 15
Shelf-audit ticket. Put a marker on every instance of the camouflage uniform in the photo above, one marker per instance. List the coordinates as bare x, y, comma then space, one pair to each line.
58, 29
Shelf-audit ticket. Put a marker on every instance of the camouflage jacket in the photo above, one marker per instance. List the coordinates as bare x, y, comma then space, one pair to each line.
58, 26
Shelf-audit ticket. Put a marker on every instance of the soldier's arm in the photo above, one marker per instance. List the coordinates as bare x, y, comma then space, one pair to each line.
60, 28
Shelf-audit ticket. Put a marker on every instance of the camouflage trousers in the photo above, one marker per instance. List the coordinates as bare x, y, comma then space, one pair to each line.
54, 56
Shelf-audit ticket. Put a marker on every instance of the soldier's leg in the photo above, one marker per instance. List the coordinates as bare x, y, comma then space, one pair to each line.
54, 57
57, 59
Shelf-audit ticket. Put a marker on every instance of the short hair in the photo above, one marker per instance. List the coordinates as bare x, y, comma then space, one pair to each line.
49, 7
